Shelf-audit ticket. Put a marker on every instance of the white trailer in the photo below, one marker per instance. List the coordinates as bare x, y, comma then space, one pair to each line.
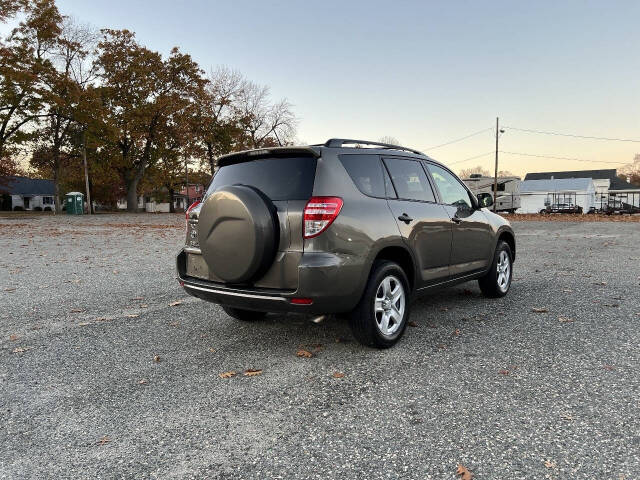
508, 194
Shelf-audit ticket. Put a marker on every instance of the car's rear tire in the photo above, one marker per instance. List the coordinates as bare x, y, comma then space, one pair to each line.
381, 316
497, 281
244, 315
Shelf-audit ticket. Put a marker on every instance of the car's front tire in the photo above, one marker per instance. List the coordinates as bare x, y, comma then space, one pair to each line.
497, 281
244, 315
381, 316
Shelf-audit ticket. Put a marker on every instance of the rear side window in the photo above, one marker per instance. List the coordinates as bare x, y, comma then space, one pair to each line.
409, 180
286, 178
366, 173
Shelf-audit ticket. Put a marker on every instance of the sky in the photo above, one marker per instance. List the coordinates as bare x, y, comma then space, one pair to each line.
423, 72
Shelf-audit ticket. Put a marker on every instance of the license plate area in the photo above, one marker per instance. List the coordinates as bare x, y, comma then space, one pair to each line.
197, 267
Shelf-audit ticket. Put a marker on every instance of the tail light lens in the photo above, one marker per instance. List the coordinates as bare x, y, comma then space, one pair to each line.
319, 213
191, 207
192, 233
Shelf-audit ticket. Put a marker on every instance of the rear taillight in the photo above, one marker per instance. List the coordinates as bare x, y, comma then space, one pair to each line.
186, 215
191, 207
319, 213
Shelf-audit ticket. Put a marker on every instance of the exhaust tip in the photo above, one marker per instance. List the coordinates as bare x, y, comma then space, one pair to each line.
319, 319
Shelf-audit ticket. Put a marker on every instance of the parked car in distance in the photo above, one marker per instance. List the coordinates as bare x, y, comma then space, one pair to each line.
332, 229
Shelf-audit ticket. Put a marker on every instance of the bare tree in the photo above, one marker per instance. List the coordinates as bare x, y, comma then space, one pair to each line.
265, 123
467, 172
390, 140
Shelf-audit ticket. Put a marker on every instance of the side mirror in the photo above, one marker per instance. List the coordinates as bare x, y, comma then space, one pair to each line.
485, 200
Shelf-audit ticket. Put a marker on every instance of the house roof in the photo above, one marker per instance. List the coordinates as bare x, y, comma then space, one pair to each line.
26, 186
609, 173
556, 185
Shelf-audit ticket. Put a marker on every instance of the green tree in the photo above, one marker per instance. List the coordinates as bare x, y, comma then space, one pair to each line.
140, 92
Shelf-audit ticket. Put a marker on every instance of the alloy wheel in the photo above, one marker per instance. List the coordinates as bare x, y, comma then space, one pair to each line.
504, 271
389, 305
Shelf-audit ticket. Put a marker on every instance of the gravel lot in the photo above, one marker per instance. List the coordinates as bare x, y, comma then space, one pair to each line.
489, 384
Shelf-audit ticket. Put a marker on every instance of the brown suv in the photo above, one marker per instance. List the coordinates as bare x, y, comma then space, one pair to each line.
331, 229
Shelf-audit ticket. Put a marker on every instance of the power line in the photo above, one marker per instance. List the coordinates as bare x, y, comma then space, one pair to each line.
572, 135
459, 139
561, 158
471, 158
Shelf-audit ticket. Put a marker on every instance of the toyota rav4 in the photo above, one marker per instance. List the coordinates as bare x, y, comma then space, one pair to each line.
333, 229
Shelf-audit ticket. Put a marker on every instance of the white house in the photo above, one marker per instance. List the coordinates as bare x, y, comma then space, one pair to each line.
22, 193
535, 195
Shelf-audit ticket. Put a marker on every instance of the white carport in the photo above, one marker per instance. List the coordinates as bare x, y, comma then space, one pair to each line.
535, 195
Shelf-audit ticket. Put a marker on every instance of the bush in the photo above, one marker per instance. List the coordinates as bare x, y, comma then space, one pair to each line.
18, 208
37, 209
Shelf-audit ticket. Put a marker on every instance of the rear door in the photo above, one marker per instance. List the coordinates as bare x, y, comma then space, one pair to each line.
424, 223
472, 233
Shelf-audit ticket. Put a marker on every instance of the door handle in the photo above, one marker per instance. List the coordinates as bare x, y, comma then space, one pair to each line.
405, 218
456, 219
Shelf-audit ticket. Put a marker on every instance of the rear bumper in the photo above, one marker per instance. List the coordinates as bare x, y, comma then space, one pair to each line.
333, 282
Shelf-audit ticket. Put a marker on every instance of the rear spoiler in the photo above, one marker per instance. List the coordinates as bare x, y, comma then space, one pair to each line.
248, 155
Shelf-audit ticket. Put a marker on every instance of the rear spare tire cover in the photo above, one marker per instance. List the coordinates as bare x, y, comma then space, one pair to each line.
238, 233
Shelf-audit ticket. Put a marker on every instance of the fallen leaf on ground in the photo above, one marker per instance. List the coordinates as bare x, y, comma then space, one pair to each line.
600, 283
104, 440
250, 372
212, 350
133, 315
144, 305
609, 367
464, 473
503, 372
101, 319
338, 374
138, 298
539, 310
566, 319
11, 289
456, 332
412, 324
84, 324
304, 353
19, 349
227, 374
549, 464
157, 359
442, 346
177, 302
174, 324
143, 382
77, 310
431, 325
444, 309
13, 337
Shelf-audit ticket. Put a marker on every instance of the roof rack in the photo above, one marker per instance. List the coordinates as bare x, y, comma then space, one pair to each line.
339, 142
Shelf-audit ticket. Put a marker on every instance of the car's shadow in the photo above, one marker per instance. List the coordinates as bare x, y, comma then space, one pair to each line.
433, 314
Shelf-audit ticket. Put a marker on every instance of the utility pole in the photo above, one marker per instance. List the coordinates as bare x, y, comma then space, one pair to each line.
495, 178
86, 169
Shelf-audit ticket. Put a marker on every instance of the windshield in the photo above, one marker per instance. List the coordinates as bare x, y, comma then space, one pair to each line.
279, 178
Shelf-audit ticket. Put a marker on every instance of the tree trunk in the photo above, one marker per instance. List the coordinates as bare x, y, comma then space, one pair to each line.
56, 181
132, 195
211, 157
172, 208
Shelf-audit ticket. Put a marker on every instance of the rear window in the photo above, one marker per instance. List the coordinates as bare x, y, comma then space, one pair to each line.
287, 178
366, 173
